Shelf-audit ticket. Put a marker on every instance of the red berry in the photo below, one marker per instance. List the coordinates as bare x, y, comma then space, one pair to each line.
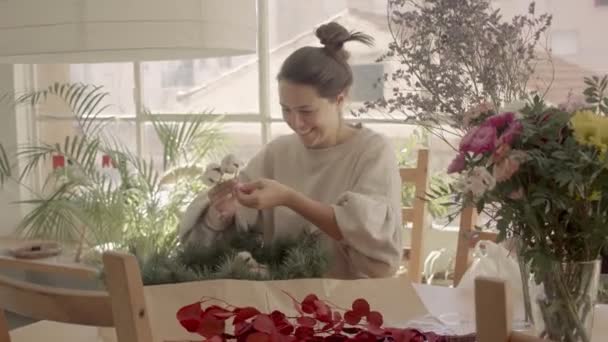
352, 318
375, 318
361, 307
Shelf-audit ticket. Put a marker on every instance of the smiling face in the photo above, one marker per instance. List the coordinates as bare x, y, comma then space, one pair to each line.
316, 120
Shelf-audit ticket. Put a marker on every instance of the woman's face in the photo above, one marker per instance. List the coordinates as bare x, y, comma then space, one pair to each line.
314, 119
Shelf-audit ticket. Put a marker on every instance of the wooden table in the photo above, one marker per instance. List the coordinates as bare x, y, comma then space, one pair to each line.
63, 264
438, 300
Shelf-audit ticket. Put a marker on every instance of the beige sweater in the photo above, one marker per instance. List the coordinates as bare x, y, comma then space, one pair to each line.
359, 178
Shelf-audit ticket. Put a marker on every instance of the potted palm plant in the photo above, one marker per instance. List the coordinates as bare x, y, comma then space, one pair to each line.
138, 205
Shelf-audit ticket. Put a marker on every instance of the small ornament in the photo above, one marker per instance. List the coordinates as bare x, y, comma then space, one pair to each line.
253, 265
58, 162
213, 174
106, 161
230, 164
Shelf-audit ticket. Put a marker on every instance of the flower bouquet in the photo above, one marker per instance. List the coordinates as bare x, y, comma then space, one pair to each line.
540, 173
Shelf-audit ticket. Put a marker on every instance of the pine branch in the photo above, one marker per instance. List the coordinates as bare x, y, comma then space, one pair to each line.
288, 258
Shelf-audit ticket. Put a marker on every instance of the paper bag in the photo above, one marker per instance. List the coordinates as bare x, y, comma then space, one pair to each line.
495, 261
395, 298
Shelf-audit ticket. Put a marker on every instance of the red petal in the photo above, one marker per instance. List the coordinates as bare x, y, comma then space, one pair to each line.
258, 337
263, 323
308, 305
285, 328
351, 331
303, 333
285, 338
337, 316
327, 327
375, 318
219, 312
215, 339
307, 321
277, 317
361, 307
189, 316
245, 313
322, 308
376, 330
242, 328
211, 326
365, 336
335, 338
352, 318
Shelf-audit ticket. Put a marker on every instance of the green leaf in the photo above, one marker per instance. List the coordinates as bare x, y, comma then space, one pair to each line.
5, 165
181, 141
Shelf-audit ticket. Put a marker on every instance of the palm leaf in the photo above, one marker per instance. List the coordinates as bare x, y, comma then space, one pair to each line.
187, 141
104, 211
5, 165
85, 101
80, 151
53, 217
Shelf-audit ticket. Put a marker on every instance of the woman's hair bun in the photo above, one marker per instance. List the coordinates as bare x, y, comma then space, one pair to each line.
333, 36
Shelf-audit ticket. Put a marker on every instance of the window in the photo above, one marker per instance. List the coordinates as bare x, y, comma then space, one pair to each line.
226, 86
201, 85
178, 74
564, 43
368, 85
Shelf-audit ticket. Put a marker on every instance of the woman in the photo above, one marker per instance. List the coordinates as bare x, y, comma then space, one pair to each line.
328, 176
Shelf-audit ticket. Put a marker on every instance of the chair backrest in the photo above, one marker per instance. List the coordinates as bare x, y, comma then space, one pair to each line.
418, 176
122, 306
467, 237
494, 313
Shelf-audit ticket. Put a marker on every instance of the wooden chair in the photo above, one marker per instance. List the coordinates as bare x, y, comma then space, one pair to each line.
416, 214
494, 313
466, 236
122, 306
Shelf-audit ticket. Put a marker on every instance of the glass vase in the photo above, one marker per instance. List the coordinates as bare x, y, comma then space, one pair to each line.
566, 299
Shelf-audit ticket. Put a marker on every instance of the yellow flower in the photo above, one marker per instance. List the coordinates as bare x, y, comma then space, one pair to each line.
590, 129
596, 196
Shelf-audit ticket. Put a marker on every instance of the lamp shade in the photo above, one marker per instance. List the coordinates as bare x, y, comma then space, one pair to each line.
96, 31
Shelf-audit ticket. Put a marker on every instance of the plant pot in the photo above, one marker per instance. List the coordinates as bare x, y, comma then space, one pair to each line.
565, 300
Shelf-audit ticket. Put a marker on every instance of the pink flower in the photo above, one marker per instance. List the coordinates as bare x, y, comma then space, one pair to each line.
458, 164
512, 132
499, 121
506, 168
479, 140
501, 152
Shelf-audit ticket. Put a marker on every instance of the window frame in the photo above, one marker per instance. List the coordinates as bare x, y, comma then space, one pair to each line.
263, 116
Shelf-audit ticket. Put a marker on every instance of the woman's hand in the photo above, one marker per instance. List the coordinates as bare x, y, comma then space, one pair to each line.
266, 193
263, 194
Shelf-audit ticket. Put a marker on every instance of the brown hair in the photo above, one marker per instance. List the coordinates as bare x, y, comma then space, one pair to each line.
325, 68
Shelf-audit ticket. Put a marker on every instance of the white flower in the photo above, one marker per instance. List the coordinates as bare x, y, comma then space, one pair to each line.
478, 181
213, 174
253, 265
230, 164
247, 258
513, 107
